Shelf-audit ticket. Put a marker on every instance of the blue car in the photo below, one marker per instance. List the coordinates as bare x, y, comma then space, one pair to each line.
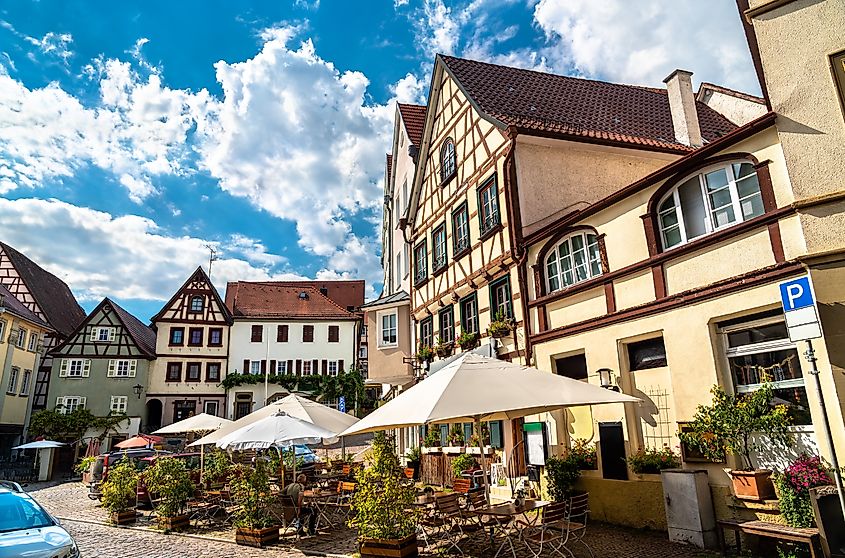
26, 529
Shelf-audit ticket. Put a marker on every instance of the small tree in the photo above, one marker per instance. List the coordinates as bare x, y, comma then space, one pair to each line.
169, 479
729, 423
251, 490
561, 473
216, 467
462, 463
119, 490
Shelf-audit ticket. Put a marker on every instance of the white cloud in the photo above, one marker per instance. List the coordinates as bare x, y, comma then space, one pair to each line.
54, 44
127, 257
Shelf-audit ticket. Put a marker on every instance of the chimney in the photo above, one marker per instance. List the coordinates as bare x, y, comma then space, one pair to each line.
682, 107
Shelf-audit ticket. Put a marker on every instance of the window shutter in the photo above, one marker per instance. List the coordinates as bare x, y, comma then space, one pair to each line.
315, 367
86, 368
246, 369
82, 402
263, 366
112, 366
289, 369
298, 367
63, 369
272, 366
93, 335
325, 367
112, 332
133, 366
60, 402
340, 367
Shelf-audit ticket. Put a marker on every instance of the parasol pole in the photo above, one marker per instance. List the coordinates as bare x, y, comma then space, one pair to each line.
483, 457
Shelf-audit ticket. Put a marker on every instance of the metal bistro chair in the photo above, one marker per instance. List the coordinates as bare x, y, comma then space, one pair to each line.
560, 523
448, 519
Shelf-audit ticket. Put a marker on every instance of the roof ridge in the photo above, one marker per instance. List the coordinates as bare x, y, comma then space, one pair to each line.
147, 345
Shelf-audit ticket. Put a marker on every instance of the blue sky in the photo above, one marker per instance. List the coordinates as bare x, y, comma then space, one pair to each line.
135, 134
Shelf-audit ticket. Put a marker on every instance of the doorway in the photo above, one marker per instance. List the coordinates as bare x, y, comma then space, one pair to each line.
154, 408
612, 445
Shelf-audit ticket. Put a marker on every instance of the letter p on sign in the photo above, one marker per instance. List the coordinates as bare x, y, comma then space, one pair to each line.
796, 294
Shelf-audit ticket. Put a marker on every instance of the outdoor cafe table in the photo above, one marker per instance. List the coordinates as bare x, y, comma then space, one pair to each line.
504, 514
319, 501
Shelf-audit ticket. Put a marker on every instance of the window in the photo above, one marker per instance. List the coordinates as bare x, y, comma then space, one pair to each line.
257, 333
215, 336
650, 353
427, 332
760, 351
307, 334
387, 323
27, 377
282, 334
332, 368
448, 168
334, 334
193, 371
574, 366
399, 270
711, 200
74, 368
102, 334
211, 408
488, 206
576, 258
500, 298
117, 405
177, 336
282, 367
420, 263
406, 260
196, 304
2, 330
69, 403
460, 230
13, 380
21, 340
212, 372
438, 248
195, 337
469, 314
306, 367
174, 372
122, 368
33, 341
446, 319
255, 367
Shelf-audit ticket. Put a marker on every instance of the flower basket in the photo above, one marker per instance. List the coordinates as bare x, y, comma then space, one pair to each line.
468, 341
175, 522
392, 548
499, 329
753, 485
425, 354
444, 350
258, 538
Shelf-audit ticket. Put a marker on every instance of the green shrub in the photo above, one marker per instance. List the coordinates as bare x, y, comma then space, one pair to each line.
584, 454
461, 463
561, 473
168, 479
217, 466
413, 454
251, 491
456, 435
84, 464
119, 490
652, 461
432, 437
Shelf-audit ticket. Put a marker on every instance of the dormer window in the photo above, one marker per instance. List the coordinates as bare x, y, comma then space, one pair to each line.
574, 259
448, 166
196, 304
716, 198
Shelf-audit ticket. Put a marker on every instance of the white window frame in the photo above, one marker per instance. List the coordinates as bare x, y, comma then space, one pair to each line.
439, 255
98, 337
489, 206
460, 229
78, 402
12, 387
448, 159
191, 304
282, 367
68, 364
115, 365
335, 364
2, 331
591, 254
25, 382
306, 367
207, 407
33, 341
119, 401
20, 342
709, 225
380, 316
255, 367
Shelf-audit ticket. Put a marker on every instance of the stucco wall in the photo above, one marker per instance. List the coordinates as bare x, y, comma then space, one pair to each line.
13, 406
98, 387
637, 504
386, 361
166, 354
737, 110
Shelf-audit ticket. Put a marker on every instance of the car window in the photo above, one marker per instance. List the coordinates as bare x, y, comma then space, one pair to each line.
19, 512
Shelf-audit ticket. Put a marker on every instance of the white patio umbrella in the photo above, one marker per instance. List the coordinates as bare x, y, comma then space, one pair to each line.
202, 422
40, 444
477, 388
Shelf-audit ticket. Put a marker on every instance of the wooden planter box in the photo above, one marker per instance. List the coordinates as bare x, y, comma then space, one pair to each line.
123, 518
258, 538
753, 485
393, 548
175, 523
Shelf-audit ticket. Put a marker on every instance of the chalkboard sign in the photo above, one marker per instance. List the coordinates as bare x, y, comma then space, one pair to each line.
536, 449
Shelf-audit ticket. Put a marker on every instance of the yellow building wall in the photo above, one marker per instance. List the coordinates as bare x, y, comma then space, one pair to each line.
14, 405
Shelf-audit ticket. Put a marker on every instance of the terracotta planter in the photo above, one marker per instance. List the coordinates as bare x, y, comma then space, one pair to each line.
392, 548
123, 518
175, 523
258, 538
753, 485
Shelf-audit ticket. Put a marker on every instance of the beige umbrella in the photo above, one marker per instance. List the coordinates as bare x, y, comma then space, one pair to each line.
202, 422
477, 388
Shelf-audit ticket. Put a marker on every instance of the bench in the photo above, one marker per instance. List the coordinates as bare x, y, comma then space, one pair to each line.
768, 530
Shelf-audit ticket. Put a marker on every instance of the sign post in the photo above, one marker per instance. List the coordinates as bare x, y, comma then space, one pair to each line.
802, 322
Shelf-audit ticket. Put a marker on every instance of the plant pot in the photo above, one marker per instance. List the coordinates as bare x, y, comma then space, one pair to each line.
444, 351
453, 449
393, 548
435, 449
174, 523
123, 518
259, 538
829, 520
86, 479
415, 465
753, 485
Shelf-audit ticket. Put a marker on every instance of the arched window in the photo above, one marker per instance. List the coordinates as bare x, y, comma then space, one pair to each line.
718, 197
196, 304
447, 160
575, 258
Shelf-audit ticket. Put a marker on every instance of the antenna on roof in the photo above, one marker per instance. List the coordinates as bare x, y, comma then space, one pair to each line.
212, 257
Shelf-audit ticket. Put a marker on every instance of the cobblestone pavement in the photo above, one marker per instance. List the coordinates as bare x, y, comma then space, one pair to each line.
86, 521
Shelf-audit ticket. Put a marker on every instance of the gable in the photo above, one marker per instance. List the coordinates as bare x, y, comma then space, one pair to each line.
121, 341
180, 309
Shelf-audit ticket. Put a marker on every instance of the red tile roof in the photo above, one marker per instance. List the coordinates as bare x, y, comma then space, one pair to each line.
414, 118
581, 108
282, 300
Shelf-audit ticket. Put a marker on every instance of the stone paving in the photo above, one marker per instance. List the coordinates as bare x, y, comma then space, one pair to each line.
87, 522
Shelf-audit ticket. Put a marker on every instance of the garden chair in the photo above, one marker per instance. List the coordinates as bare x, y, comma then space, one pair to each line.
577, 513
561, 523
448, 519
476, 500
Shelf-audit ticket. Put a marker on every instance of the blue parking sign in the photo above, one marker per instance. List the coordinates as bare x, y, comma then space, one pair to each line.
341, 404
796, 294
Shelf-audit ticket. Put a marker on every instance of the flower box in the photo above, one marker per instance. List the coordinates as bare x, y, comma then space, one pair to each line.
475, 450
391, 548
259, 538
174, 523
434, 449
454, 450
123, 518
753, 485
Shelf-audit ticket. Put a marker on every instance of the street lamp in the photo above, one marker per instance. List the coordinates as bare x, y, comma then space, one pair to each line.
606, 379
138, 388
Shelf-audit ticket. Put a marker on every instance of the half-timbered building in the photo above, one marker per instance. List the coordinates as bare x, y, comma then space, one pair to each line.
192, 348
103, 366
50, 299
22, 335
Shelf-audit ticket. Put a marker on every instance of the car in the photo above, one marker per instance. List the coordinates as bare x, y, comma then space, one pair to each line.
27, 529
307, 456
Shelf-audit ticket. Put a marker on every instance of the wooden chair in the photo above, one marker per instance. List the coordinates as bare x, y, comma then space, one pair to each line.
548, 533
449, 518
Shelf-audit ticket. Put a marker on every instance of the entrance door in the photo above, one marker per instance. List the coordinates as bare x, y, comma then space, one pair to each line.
518, 457
612, 444
154, 409
242, 409
184, 409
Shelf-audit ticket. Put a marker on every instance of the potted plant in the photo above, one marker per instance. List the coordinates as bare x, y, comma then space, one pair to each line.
793, 489
584, 454
169, 483
500, 326
736, 424
561, 473
456, 440
474, 446
413, 457
468, 341
650, 461
461, 463
381, 506
119, 492
216, 469
84, 468
444, 349
425, 353
254, 523
431, 442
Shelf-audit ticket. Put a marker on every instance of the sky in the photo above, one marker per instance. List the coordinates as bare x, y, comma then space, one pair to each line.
134, 135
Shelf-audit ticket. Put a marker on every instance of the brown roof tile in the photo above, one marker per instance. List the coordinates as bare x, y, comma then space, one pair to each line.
143, 336
601, 111
414, 118
282, 299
